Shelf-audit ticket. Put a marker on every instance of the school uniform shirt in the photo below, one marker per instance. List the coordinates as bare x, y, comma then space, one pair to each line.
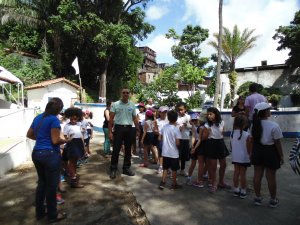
73, 130
84, 128
161, 123
216, 132
271, 132
239, 147
185, 133
169, 148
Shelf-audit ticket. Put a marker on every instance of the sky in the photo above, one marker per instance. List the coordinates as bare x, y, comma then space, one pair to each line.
265, 16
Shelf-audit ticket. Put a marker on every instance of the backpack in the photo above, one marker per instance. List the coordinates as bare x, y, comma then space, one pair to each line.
295, 156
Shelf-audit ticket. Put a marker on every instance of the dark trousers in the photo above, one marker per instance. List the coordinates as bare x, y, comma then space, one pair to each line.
122, 135
47, 164
184, 152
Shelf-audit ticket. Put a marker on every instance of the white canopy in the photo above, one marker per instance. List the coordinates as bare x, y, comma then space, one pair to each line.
6, 76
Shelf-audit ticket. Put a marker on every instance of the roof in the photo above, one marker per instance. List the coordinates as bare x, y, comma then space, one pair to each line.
6, 76
49, 82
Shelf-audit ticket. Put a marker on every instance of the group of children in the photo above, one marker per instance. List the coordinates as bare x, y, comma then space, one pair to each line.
260, 146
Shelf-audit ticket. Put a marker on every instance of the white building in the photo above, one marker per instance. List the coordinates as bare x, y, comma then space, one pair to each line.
39, 94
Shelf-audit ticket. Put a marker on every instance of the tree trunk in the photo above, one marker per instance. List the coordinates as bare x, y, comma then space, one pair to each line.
102, 83
217, 90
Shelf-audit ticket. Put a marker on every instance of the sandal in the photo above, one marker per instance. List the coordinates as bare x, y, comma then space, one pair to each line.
60, 216
212, 189
143, 165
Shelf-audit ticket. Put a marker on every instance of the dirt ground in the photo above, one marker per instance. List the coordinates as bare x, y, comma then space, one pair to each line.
101, 201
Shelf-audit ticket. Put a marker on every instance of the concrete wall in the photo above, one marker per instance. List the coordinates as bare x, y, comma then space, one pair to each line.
40, 97
284, 79
15, 148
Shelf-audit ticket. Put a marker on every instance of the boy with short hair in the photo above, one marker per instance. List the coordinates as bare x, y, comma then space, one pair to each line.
170, 136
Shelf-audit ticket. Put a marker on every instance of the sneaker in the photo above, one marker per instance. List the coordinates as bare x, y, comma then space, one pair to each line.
243, 195
175, 187
258, 201
183, 173
212, 189
188, 181
159, 170
274, 203
62, 178
205, 177
128, 172
162, 185
59, 199
224, 186
113, 174
198, 184
236, 193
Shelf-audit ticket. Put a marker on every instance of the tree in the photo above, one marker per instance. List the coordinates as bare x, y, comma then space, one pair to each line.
219, 48
234, 45
289, 37
191, 66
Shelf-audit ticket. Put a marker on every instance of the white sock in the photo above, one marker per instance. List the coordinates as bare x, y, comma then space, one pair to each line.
243, 191
236, 189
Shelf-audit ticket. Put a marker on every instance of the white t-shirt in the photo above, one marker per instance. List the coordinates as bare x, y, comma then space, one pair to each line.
84, 126
215, 132
142, 117
271, 132
185, 133
252, 100
73, 130
239, 147
161, 123
170, 133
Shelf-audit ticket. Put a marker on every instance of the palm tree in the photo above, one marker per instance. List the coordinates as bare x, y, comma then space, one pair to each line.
219, 48
234, 45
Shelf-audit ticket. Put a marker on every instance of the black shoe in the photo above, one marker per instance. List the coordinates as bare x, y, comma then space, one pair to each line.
128, 172
113, 174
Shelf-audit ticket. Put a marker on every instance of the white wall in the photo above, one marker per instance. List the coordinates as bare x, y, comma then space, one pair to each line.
39, 97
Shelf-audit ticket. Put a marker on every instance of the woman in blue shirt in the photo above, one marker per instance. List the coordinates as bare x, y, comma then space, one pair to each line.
45, 130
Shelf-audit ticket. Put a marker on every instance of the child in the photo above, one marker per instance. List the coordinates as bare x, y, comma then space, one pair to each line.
88, 116
141, 118
215, 149
198, 152
267, 152
161, 122
75, 148
170, 135
183, 123
147, 138
240, 142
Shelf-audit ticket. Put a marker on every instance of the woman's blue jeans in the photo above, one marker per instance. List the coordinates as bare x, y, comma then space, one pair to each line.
47, 164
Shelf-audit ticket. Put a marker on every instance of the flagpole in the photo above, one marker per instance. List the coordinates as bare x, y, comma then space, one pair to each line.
80, 98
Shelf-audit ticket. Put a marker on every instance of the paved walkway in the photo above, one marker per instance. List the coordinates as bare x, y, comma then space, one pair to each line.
124, 200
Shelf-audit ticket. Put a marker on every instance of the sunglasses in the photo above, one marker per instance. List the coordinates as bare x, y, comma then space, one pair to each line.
125, 92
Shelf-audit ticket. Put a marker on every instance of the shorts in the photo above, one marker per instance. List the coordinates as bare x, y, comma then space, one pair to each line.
265, 155
242, 164
155, 140
215, 149
159, 148
170, 163
148, 140
87, 142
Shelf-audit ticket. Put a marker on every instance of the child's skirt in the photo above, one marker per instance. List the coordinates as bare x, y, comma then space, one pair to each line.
75, 148
148, 140
215, 149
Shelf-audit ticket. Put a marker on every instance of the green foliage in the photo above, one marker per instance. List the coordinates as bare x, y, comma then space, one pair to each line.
194, 101
232, 80
212, 87
188, 47
227, 101
289, 37
243, 90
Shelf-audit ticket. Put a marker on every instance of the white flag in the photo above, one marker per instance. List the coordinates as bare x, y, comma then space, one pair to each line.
75, 65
